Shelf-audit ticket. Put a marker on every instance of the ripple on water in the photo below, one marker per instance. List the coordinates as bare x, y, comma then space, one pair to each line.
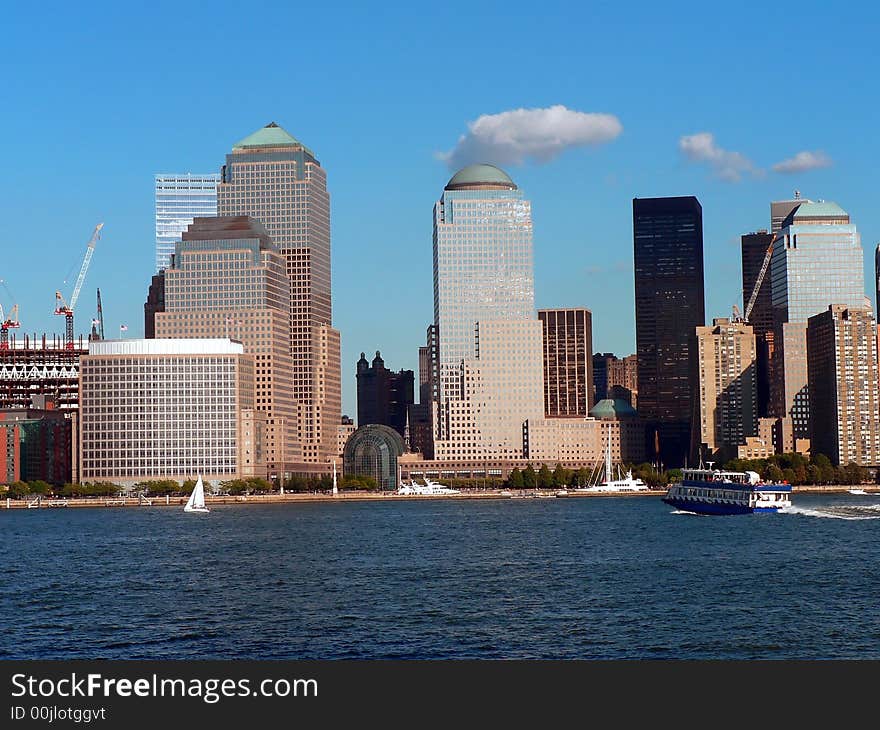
592, 578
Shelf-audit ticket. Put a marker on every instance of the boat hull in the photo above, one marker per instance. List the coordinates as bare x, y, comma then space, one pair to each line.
711, 508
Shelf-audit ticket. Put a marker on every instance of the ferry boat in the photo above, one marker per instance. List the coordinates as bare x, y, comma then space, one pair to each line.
715, 492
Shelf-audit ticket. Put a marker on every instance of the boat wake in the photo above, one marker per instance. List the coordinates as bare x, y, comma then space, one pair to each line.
838, 512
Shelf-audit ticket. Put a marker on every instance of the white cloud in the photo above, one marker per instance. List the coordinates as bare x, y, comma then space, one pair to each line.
538, 134
730, 166
803, 161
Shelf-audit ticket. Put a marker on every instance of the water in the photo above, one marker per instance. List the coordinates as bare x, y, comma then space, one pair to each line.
577, 578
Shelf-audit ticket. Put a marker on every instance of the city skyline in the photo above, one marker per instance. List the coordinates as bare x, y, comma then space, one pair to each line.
656, 148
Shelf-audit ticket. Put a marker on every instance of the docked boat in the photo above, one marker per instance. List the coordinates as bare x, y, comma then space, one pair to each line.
429, 488
716, 492
618, 482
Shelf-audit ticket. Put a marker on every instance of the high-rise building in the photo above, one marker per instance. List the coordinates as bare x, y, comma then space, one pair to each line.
36, 443
877, 277
383, 396
179, 199
568, 362
843, 385
424, 375
274, 178
668, 257
780, 210
169, 409
155, 303
726, 388
622, 379
229, 280
754, 251
489, 342
817, 261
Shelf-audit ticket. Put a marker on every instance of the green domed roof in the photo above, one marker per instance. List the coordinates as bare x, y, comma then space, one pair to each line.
613, 408
480, 176
269, 136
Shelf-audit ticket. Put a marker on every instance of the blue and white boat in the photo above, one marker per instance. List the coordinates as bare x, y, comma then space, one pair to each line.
715, 492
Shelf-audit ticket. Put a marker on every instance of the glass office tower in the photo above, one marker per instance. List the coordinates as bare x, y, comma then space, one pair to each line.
668, 258
488, 355
179, 199
817, 261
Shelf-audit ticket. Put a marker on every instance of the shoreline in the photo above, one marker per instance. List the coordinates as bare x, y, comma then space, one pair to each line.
357, 496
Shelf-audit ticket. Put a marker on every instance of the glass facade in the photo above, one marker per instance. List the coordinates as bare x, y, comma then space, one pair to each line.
372, 451
668, 259
817, 261
488, 354
179, 199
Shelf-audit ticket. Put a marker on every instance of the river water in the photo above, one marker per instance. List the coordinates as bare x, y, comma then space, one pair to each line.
576, 578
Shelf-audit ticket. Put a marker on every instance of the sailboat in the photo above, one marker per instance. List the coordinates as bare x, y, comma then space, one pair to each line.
621, 483
196, 502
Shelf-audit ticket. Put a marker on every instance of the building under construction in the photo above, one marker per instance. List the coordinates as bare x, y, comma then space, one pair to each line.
43, 367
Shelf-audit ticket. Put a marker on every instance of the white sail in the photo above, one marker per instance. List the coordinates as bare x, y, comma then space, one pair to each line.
196, 502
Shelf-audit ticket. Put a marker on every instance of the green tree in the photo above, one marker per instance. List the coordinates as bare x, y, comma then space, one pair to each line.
530, 479
855, 474
259, 486
545, 477
515, 479
774, 473
562, 477
18, 489
39, 487
159, 487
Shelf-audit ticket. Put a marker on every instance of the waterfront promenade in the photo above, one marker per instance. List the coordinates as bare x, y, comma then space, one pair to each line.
360, 496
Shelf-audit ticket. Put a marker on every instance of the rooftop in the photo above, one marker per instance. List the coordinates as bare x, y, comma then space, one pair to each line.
823, 209
480, 177
613, 408
227, 228
269, 136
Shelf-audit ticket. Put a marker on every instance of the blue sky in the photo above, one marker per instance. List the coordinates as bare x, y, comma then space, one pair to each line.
99, 97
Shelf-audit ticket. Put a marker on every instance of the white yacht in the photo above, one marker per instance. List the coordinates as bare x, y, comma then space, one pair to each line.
426, 489
620, 483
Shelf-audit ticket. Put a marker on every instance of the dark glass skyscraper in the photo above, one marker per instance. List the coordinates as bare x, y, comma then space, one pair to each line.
754, 251
668, 259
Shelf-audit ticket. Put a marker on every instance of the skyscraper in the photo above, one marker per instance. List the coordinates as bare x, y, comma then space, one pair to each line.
179, 199
843, 385
877, 277
228, 280
568, 362
754, 251
277, 180
726, 392
489, 342
817, 261
383, 396
780, 210
668, 257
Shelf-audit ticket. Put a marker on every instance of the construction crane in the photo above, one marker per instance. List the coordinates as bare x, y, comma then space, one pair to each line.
6, 324
761, 274
61, 306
